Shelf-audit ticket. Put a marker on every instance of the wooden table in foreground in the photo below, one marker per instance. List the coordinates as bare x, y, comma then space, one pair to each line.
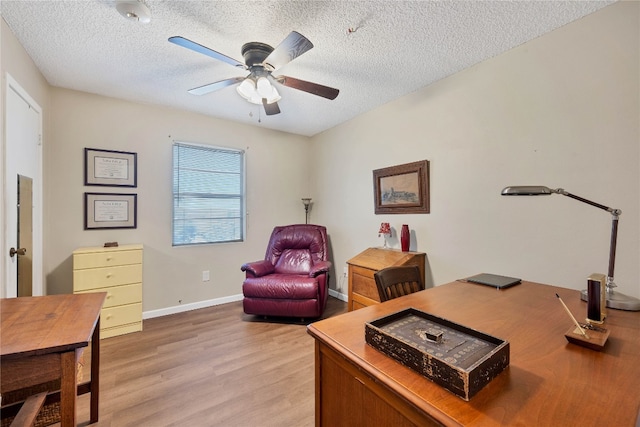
40, 341
549, 382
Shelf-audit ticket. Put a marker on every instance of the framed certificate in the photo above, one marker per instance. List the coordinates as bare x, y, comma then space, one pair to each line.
108, 167
105, 210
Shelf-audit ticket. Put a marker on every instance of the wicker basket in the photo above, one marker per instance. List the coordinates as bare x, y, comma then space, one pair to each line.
50, 412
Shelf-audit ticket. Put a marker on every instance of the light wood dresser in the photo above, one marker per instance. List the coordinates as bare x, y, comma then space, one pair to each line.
118, 272
362, 285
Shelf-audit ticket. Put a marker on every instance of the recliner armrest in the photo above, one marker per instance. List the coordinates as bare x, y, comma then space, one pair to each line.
258, 268
319, 268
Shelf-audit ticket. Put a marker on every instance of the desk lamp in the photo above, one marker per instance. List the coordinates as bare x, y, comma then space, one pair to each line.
614, 299
385, 229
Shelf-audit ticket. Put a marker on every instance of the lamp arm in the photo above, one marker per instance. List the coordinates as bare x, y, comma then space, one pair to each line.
615, 213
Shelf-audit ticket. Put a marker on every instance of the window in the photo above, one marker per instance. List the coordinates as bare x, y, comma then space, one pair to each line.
208, 194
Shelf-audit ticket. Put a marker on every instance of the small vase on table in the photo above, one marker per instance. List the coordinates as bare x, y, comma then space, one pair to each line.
404, 238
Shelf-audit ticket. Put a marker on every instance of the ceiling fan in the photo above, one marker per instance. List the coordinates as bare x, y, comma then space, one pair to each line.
261, 60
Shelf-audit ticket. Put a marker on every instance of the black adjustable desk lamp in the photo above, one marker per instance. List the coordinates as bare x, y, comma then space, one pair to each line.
615, 300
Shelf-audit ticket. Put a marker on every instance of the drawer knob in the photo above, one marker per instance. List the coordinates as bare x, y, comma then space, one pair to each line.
109, 275
108, 295
109, 258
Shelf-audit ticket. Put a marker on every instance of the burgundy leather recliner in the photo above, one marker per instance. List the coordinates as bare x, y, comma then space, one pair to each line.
293, 279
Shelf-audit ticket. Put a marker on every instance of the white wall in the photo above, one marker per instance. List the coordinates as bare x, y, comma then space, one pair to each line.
562, 111
277, 177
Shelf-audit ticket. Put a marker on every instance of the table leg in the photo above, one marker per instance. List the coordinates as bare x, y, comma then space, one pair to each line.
69, 366
95, 372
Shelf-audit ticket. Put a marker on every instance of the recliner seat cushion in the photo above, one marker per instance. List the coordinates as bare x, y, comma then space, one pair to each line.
281, 286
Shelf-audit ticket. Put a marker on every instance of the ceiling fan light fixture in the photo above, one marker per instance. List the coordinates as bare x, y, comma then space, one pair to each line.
247, 89
255, 92
134, 10
275, 96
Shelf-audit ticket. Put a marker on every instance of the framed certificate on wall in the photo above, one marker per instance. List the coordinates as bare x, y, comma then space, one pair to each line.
110, 168
108, 210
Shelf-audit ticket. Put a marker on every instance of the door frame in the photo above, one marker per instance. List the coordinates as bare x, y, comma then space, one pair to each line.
38, 197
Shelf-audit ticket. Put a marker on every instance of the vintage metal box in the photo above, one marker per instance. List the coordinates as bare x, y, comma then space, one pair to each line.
458, 358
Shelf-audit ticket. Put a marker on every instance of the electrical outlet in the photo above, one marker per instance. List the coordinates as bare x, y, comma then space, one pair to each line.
345, 271
205, 276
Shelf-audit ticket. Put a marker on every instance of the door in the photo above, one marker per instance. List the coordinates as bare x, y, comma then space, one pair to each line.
25, 236
23, 163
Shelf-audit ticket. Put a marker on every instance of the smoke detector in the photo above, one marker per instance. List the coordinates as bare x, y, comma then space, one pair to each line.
134, 10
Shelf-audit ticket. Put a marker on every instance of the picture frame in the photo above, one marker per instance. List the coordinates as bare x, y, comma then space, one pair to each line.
110, 210
110, 168
402, 189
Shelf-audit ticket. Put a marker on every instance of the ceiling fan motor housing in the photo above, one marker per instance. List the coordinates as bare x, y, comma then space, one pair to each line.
254, 53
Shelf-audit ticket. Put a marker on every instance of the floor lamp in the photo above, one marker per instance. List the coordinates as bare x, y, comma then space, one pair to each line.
306, 201
614, 299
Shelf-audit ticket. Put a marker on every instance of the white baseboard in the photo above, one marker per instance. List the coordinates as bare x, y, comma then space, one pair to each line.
336, 294
210, 303
188, 307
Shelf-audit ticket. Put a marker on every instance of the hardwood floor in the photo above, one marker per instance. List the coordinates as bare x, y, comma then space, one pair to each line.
210, 367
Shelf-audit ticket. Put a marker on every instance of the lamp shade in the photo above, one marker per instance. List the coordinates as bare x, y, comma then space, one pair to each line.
385, 228
527, 190
264, 87
247, 89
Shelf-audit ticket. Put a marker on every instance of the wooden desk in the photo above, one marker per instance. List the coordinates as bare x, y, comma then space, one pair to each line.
549, 382
40, 341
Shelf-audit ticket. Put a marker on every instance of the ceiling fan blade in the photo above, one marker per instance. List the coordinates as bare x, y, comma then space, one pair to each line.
313, 88
270, 109
289, 49
212, 87
181, 41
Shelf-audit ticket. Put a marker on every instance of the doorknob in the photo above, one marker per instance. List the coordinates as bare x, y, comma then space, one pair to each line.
19, 251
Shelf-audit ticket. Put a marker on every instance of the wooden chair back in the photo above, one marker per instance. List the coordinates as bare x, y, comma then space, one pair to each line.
394, 282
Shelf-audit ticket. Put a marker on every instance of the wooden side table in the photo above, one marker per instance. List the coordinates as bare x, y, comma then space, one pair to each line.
362, 285
40, 341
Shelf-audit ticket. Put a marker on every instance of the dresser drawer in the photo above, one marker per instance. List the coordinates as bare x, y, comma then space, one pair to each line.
120, 295
105, 259
120, 330
120, 315
107, 276
365, 285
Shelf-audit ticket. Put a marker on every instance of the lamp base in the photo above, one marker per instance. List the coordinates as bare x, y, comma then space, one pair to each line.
617, 301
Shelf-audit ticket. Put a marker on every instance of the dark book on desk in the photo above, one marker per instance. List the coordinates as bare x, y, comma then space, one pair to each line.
493, 280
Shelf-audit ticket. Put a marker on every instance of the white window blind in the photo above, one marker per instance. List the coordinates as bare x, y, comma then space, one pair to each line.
208, 194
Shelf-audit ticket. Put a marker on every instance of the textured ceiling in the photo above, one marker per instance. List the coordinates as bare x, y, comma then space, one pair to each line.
393, 48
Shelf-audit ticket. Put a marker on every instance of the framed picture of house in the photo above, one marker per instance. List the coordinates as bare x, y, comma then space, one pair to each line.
402, 189
110, 168
109, 210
